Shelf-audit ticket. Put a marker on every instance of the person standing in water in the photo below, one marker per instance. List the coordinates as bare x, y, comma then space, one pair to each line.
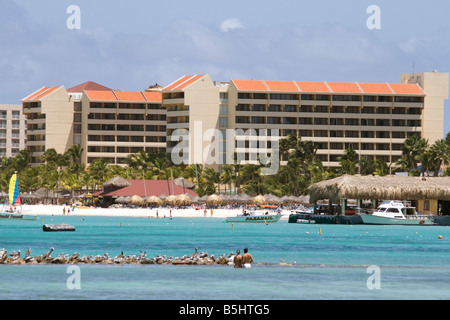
238, 259
247, 259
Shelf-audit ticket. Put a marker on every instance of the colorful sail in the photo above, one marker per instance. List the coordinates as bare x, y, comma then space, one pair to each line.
14, 197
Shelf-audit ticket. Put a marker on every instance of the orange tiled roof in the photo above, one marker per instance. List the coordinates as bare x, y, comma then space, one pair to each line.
250, 85
153, 96
344, 87
403, 88
327, 87
375, 88
286, 86
182, 83
101, 95
313, 86
39, 94
130, 96
124, 96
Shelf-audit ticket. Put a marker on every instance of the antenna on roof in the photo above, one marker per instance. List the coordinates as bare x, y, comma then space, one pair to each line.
413, 69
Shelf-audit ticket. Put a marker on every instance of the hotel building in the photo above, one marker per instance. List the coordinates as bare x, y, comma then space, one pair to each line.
13, 130
374, 119
108, 124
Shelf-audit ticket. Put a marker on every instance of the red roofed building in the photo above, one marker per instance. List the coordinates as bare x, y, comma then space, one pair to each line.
146, 188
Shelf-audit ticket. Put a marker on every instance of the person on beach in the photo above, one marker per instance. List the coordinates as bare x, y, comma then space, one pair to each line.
238, 259
247, 259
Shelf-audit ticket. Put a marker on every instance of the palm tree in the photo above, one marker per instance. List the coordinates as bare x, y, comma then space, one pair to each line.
413, 147
381, 168
440, 154
251, 174
227, 175
212, 177
349, 161
366, 166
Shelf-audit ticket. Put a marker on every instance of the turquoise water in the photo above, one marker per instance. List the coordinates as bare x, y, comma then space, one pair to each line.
413, 262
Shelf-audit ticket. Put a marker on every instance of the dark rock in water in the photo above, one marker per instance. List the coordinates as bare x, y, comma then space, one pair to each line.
58, 227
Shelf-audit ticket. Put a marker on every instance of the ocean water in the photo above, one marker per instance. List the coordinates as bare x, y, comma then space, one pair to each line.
325, 261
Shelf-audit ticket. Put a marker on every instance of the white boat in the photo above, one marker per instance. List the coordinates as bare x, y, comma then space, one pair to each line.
254, 214
396, 213
13, 212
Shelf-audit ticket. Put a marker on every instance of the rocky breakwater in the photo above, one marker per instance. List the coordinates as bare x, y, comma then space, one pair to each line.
201, 258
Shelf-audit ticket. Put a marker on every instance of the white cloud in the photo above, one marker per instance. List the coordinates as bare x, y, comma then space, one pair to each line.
231, 24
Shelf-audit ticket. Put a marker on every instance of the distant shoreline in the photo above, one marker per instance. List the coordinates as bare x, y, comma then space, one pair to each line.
57, 210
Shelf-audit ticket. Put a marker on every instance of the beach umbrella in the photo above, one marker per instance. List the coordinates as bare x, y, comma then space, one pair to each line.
154, 200
202, 199
303, 199
136, 200
120, 199
214, 199
270, 198
171, 200
227, 198
183, 200
244, 198
163, 196
259, 200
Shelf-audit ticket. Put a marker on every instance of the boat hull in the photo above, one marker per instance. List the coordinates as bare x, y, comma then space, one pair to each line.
16, 216
373, 219
272, 218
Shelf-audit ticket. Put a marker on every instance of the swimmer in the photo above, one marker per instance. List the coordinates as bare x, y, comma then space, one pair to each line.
238, 259
247, 259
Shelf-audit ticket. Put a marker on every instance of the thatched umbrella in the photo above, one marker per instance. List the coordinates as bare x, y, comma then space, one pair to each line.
244, 199
270, 198
184, 183
202, 199
214, 199
303, 199
183, 200
136, 200
154, 200
171, 200
120, 199
259, 200
227, 198
163, 197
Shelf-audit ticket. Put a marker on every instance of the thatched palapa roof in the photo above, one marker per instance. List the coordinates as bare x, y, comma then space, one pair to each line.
381, 188
117, 182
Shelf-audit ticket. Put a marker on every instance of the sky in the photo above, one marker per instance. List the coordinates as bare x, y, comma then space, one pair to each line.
130, 45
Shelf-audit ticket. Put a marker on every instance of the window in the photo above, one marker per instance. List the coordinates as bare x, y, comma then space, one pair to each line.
279, 96
289, 108
258, 107
223, 122
223, 110
274, 108
273, 120
321, 109
321, 121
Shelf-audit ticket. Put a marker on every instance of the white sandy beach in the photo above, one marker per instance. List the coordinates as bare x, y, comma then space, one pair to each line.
49, 210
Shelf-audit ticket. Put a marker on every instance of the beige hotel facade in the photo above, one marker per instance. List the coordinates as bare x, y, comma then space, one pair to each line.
372, 118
